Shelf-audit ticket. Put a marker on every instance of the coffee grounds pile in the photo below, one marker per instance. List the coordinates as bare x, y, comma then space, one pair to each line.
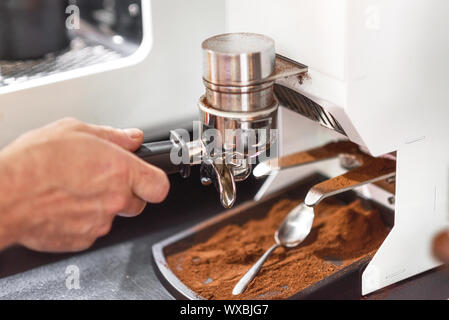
341, 235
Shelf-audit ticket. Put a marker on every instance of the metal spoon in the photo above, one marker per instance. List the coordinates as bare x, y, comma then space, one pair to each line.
292, 232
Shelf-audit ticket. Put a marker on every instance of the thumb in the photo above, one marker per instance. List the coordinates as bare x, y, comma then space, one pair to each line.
148, 182
129, 139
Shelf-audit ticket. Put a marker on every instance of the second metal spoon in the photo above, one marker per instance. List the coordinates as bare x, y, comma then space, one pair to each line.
292, 231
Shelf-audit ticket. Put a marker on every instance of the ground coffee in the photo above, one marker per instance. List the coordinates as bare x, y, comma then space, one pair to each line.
341, 235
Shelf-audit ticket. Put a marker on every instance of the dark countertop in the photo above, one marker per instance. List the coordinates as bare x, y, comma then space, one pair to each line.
119, 266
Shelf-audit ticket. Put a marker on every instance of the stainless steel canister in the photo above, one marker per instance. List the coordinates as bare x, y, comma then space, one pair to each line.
239, 101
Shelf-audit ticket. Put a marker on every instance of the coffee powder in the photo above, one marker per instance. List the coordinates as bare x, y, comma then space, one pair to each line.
341, 235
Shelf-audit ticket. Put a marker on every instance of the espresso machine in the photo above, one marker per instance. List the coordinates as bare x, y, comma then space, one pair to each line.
302, 74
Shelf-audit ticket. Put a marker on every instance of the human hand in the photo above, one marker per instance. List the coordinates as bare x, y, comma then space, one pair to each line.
441, 247
63, 184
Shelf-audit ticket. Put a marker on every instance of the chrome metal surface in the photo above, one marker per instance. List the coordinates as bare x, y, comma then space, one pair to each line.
240, 98
316, 195
240, 70
255, 95
306, 107
181, 145
238, 58
293, 231
235, 128
243, 116
221, 175
263, 169
81, 54
286, 68
196, 151
88, 47
241, 170
243, 283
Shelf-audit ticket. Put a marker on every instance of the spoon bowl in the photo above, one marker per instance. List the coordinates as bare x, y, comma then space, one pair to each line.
293, 230
296, 226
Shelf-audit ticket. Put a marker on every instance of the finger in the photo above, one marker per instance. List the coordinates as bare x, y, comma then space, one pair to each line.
135, 207
58, 245
102, 230
129, 139
148, 182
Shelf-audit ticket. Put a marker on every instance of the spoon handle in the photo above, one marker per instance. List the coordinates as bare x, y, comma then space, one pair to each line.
243, 283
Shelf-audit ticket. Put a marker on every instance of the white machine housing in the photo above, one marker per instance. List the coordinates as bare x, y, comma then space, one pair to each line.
380, 68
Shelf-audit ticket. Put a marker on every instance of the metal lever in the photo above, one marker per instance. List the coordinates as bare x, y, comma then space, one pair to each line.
373, 170
327, 152
159, 154
364, 169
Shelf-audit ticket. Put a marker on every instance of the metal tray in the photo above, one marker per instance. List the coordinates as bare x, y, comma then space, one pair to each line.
344, 284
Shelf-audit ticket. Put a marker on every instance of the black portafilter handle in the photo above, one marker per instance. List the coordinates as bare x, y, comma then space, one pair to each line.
159, 154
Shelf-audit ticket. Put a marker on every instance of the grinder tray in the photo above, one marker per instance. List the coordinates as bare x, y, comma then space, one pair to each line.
344, 284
